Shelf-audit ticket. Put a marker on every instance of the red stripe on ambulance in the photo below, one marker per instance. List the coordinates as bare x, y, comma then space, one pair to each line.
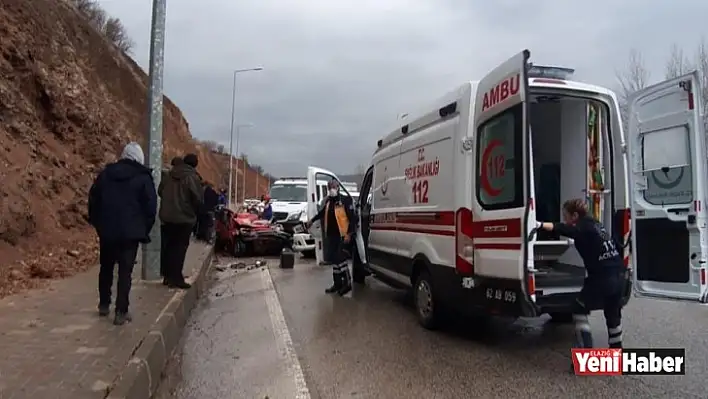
496, 228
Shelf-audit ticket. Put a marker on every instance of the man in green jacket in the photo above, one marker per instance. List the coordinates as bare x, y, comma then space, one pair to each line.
182, 197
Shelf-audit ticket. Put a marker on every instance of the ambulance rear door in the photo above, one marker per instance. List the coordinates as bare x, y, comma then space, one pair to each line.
501, 189
667, 151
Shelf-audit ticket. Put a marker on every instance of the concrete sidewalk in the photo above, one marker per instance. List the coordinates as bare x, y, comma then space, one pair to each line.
54, 345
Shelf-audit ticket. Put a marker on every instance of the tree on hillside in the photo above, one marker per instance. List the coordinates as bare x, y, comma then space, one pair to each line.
636, 75
112, 28
257, 168
212, 146
244, 157
115, 31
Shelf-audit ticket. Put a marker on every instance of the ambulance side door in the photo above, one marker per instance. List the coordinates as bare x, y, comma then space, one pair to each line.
364, 214
501, 190
668, 175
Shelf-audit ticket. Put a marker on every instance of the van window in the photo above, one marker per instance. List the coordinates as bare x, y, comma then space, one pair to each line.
500, 172
667, 162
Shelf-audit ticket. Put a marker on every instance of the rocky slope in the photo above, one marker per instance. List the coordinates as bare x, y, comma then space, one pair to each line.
69, 101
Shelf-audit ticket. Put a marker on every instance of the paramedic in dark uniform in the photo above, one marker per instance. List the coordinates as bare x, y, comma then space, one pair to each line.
338, 227
605, 280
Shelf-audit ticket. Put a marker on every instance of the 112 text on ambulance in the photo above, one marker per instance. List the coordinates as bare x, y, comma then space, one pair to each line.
610, 361
419, 173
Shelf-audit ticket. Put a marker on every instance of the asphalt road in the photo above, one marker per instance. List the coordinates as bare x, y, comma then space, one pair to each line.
274, 333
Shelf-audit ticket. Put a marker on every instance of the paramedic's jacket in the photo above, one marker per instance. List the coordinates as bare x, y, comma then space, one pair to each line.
599, 251
343, 211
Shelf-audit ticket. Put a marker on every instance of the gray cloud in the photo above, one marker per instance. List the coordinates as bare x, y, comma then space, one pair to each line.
338, 73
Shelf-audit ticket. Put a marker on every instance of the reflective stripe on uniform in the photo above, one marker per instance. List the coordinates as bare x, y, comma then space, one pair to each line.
615, 330
340, 268
614, 340
614, 335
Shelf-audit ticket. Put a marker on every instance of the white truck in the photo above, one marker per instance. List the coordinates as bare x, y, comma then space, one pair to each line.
456, 191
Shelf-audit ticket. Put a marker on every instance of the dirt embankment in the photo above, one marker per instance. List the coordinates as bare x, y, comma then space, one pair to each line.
69, 102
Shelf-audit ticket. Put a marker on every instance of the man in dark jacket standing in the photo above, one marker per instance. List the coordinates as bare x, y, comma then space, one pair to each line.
164, 257
182, 197
206, 217
122, 209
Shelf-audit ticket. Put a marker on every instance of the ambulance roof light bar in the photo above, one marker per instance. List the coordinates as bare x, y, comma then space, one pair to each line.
550, 72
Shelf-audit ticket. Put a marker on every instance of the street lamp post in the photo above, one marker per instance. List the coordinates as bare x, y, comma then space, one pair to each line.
245, 169
233, 114
243, 164
151, 252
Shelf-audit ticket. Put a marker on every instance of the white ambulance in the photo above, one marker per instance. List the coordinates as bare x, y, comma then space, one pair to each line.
456, 191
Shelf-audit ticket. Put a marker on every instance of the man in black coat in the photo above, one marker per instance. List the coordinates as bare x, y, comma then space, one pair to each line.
122, 209
164, 249
182, 198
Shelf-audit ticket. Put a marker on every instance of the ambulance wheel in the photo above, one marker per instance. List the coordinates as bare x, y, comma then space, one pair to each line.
561, 318
308, 254
425, 306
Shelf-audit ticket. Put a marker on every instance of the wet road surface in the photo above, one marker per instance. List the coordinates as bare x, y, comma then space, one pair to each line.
369, 345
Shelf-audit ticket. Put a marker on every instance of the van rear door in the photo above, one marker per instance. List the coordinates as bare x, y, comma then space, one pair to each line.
667, 150
501, 192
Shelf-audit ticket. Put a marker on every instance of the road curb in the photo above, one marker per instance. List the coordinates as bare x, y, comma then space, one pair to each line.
141, 376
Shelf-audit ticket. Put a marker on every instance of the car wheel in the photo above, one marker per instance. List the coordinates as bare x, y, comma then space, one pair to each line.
426, 307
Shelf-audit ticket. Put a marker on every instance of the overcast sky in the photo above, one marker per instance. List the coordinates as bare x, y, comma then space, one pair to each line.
338, 72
